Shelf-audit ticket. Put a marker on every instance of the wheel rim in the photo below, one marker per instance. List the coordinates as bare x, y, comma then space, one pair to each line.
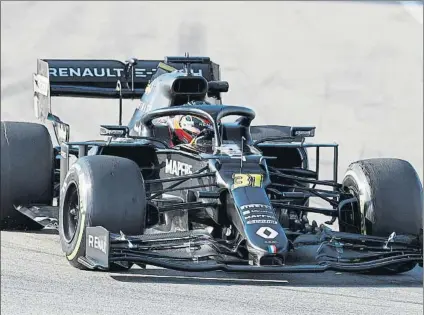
356, 220
71, 213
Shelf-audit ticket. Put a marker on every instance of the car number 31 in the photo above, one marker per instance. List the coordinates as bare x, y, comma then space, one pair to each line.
247, 180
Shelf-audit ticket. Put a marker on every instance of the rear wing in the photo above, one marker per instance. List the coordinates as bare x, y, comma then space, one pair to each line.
111, 79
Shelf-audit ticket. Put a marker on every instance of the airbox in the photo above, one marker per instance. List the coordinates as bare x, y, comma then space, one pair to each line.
190, 85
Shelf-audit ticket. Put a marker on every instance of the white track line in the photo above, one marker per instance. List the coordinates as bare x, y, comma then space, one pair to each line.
415, 9
207, 278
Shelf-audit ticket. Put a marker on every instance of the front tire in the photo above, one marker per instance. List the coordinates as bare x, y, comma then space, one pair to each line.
105, 191
390, 197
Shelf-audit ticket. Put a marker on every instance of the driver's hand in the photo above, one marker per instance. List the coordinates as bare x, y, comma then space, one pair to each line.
207, 132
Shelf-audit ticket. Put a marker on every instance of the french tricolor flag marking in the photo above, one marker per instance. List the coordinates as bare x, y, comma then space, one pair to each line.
272, 249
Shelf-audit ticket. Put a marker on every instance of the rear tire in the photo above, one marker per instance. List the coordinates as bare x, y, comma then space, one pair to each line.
105, 191
391, 200
27, 170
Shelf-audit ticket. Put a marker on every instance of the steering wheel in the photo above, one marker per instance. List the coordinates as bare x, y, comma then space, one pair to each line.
205, 134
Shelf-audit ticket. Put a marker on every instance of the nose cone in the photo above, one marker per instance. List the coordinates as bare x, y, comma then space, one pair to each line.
264, 235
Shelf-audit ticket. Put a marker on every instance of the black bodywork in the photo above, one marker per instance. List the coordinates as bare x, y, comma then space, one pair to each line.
236, 202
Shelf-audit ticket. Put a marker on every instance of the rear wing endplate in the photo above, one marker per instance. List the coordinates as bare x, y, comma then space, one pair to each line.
110, 79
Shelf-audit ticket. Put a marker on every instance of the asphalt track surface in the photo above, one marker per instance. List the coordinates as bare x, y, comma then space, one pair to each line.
352, 69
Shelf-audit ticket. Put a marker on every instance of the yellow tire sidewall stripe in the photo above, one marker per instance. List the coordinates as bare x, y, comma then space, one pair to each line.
72, 255
82, 190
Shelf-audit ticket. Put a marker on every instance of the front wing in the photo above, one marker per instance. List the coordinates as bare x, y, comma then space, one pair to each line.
191, 251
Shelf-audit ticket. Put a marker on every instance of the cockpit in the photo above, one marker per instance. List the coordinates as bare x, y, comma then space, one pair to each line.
170, 88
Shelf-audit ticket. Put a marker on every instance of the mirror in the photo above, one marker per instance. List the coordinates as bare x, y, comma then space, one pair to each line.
61, 129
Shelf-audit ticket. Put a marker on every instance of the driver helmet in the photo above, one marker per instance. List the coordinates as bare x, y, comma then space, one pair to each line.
186, 128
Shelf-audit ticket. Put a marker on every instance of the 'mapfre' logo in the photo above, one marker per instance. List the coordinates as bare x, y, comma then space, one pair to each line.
177, 168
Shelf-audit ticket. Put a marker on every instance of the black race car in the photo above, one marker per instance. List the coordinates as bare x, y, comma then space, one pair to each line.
236, 199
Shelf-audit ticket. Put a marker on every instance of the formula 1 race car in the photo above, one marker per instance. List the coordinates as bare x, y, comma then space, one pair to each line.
232, 196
